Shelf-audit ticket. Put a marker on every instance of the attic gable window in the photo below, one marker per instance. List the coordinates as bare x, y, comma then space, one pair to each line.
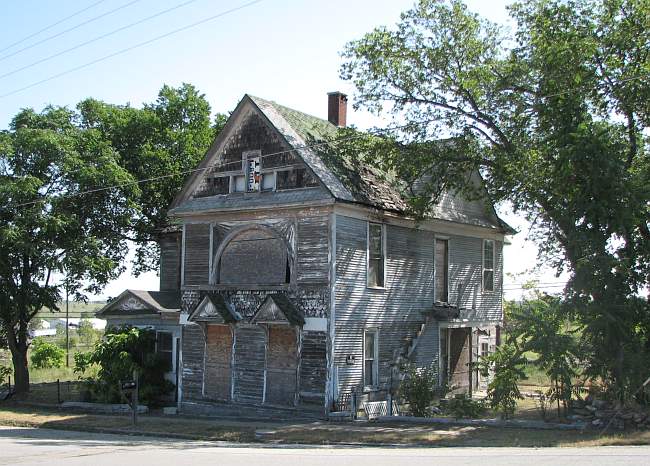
488, 265
252, 165
375, 253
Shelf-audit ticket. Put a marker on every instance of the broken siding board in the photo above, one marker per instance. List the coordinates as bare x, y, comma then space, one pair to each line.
192, 373
313, 250
217, 362
197, 254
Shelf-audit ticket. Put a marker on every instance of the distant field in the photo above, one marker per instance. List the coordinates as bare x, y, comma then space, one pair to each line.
77, 310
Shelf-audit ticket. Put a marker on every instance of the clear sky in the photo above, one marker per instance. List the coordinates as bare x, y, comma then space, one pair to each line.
282, 50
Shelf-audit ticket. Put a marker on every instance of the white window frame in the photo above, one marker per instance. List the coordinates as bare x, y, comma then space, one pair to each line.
435, 263
375, 361
383, 256
484, 269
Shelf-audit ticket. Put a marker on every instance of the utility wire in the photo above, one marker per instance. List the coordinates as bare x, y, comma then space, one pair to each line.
51, 25
128, 49
65, 31
103, 36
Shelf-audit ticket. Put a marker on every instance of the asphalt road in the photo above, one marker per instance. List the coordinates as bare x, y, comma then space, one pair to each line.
23, 446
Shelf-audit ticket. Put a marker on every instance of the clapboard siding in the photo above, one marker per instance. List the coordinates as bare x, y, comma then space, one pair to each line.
193, 346
395, 312
170, 262
197, 253
313, 250
313, 366
465, 270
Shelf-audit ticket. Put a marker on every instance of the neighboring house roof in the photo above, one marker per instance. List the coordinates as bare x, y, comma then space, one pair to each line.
141, 302
345, 180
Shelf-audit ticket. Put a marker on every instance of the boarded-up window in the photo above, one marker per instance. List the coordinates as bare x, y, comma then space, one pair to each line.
254, 257
442, 271
375, 255
488, 265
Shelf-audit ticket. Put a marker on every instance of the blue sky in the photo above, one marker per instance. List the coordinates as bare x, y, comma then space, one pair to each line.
283, 50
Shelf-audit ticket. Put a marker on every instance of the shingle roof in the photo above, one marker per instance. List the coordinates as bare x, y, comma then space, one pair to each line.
155, 302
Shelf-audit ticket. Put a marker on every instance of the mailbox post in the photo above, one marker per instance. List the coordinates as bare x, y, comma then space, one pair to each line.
132, 386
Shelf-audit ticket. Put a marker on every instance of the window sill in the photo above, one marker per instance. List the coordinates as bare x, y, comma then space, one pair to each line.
380, 288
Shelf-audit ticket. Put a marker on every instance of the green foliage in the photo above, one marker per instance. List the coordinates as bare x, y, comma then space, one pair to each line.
420, 388
540, 325
122, 351
88, 335
555, 118
5, 373
506, 368
462, 406
46, 355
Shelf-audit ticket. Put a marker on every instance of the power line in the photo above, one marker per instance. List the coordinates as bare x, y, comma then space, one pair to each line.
128, 49
51, 25
58, 34
103, 36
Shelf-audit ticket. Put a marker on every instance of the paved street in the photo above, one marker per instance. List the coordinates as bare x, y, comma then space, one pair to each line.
24, 446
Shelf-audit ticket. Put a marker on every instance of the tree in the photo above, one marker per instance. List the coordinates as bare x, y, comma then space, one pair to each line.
161, 142
539, 324
506, 367
47, 226
77, 188
555, 119
46, 355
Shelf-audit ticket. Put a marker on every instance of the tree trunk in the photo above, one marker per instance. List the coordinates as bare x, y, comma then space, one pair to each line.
21, 372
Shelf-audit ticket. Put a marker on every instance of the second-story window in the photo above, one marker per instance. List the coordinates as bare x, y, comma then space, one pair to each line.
488, 265
375, 251
441, 271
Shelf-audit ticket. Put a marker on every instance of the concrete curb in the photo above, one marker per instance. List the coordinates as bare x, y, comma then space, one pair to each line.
512, 423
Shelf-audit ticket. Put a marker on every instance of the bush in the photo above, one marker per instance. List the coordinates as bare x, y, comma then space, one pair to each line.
419, 388
122, 351
462, 406
46, 355
508, 364
5, 373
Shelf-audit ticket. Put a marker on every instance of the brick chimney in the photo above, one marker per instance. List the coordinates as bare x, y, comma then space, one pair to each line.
337, 108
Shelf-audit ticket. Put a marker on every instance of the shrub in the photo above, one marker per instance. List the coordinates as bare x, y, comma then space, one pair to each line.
46, 355
419, 388
462, 406
5, 373
507, 363
122, 351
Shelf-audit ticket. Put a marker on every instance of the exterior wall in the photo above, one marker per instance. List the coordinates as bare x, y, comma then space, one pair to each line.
279, 366
170, 262
465, 278
396, 311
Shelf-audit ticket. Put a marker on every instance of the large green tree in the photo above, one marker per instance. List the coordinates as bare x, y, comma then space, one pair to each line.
555, 117
161, 142
49, 225
78, 188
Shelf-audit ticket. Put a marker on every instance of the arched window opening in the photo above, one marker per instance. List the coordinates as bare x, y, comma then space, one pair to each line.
254, 257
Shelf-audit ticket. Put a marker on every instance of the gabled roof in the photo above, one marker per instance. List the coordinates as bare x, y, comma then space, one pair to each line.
216, 309
141, 302
278, 309
345, 180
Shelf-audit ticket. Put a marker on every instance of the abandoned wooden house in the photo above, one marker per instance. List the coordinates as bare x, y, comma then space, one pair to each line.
295, 278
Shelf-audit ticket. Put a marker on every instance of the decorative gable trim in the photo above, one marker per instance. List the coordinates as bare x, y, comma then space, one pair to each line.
214, 309
278, 309
126, 304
